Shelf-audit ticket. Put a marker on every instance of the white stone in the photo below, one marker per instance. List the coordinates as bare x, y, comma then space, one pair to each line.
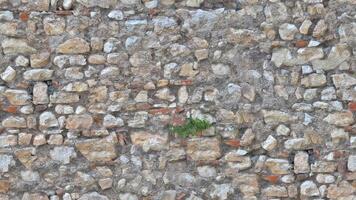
220, 69
9, 74
111, 121
116, 14
48, 120
283, 130
206, 171
287, 31
309, 188
351, 163
30, 176
67, 4
270, 143
63, 154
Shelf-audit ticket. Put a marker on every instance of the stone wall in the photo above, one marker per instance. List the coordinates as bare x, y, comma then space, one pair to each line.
89, 87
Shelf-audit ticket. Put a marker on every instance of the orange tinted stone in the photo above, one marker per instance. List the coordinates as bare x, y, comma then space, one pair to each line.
24, 16
301, 43
11, 109
233, 143
352, 106
4, 186
271, 178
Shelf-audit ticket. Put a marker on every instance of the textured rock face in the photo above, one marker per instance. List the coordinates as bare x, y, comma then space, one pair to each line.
96, 150
89, 89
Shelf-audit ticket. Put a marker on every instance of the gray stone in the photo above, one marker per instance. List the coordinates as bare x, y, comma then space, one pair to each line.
351, 163
48, 120
17, 97
63, 154
92, 196
9, 74
38, 74
309, 188
17, 46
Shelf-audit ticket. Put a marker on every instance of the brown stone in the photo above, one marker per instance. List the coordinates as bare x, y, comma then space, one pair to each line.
149, 141
4, 186
74, 46
26, 156
79, 122
204, 149
97, 150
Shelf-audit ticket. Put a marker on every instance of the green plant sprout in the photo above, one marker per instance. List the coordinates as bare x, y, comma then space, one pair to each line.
191, 127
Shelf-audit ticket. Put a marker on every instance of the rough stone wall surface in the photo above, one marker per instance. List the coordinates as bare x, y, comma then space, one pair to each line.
88, 88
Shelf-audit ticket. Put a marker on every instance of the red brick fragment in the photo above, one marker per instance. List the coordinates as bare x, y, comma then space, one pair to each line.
301, 43
24, 16
271, 178
233, 143
352, 106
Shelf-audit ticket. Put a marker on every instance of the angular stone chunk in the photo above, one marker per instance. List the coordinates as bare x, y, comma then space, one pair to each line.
270, 143
8, 75
17, 46
276, 12
343, 80
247, 183
340, 118
314, 80
287, 31
17, 97
39, 60
14, 122
338, 54
26, 156
38, 74
48, 120
74, 46
278, 166
64, 97
53, 25
63, 154
308, 54
207, 149
309, 188
281, 57
79, 122
188, 70
149, 141
97, 150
